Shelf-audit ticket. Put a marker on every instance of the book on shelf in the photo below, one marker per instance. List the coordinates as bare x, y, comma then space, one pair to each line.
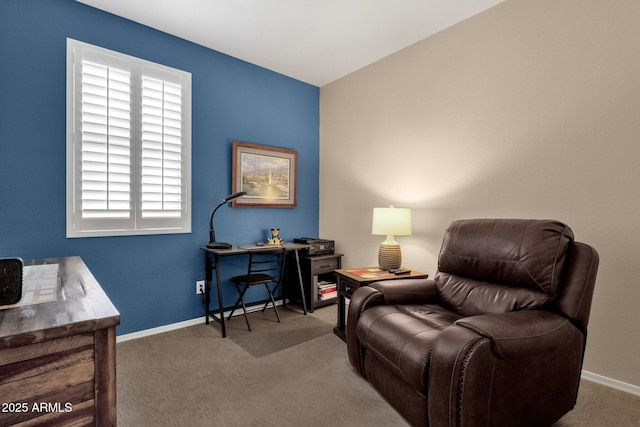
327, 296
327, 285
323, 284
327, 290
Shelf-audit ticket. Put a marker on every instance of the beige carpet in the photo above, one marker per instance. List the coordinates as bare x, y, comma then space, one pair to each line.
194, 377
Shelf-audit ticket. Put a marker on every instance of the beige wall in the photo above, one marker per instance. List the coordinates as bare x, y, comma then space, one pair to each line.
531, 110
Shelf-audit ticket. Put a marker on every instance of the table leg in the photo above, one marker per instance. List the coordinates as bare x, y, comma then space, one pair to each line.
220, 305
279, 284
340, 327
304, 302
207, 287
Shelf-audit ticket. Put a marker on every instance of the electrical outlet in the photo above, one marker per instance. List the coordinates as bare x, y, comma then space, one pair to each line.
200, 287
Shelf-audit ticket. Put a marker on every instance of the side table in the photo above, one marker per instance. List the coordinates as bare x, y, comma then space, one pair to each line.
347, 281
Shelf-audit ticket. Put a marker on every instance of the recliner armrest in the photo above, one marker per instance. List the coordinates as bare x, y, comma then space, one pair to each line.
407, 291
523, 333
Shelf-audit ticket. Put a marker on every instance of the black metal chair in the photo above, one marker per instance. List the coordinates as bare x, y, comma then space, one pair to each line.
266, 267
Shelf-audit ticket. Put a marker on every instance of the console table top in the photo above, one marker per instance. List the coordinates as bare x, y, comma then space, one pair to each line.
81, 306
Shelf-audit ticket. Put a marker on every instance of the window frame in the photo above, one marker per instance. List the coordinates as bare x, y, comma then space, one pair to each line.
77, 226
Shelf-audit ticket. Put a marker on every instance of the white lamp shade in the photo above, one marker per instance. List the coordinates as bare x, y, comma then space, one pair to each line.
391, 221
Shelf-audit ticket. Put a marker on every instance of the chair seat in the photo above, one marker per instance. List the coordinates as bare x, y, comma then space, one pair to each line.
253, 279
401, 336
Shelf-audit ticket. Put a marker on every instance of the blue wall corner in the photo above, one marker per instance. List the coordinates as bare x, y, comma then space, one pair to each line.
150, 279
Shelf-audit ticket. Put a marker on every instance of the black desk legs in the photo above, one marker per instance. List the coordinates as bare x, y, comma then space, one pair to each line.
284, 296
209, 267
220, 305
207, 286
304, 302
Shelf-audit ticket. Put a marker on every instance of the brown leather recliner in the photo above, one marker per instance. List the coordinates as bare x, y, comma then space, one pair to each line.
497, 339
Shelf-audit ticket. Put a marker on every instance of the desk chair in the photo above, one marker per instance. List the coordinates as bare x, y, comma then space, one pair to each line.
266, 266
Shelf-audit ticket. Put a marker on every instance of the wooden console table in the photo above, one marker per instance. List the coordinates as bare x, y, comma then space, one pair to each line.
58, 358
348, 281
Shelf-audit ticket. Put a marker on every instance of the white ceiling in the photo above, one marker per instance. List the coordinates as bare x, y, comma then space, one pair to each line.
315, 41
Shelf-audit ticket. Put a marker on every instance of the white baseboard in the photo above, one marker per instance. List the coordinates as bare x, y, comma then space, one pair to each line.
159, 330
180, 325
609, 382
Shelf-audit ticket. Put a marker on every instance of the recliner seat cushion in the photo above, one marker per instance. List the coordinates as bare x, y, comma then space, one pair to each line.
488, 266
401, 337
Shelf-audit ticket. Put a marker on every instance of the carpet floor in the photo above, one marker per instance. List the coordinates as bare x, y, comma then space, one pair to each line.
293, 373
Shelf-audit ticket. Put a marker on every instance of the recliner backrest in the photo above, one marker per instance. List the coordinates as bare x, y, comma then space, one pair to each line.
501, 265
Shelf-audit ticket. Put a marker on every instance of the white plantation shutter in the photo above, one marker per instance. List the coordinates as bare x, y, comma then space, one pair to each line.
161, 148
106, 142
128, 145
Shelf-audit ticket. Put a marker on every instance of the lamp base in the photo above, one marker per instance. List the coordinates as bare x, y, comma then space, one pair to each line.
218, 245
389, 257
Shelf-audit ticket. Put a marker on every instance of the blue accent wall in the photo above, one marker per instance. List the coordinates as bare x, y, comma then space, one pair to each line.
150, 279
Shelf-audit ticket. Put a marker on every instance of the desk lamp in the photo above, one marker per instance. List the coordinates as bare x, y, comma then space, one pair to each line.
389, 222
212, 234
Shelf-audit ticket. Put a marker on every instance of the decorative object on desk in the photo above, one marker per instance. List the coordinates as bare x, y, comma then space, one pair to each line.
391, 222
212, 234
268, 175
275, 239
10, 280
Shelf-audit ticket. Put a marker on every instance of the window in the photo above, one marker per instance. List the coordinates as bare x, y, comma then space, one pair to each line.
128, 145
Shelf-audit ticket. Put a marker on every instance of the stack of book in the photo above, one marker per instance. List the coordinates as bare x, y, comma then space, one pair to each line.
326, 290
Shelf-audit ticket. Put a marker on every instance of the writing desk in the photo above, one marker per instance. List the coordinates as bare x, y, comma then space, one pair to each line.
212, 263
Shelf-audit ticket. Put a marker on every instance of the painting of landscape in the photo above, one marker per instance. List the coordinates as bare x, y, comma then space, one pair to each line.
267, 174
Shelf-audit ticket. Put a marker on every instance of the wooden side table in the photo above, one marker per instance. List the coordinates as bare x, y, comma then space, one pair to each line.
348, 281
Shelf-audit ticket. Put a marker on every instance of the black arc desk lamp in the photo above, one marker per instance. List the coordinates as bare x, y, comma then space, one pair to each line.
212, 234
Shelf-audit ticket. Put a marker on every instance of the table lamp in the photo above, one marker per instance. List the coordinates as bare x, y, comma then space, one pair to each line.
212, 234
391, 222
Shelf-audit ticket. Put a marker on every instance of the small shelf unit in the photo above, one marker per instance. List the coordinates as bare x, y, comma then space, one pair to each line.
317, 276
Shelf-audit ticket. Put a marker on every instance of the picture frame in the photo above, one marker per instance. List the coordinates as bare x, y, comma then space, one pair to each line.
269, 175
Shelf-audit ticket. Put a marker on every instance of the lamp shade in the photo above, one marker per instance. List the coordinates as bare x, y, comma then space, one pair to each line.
391, 221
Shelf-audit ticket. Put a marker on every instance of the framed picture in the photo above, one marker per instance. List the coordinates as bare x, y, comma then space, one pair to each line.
269, 175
